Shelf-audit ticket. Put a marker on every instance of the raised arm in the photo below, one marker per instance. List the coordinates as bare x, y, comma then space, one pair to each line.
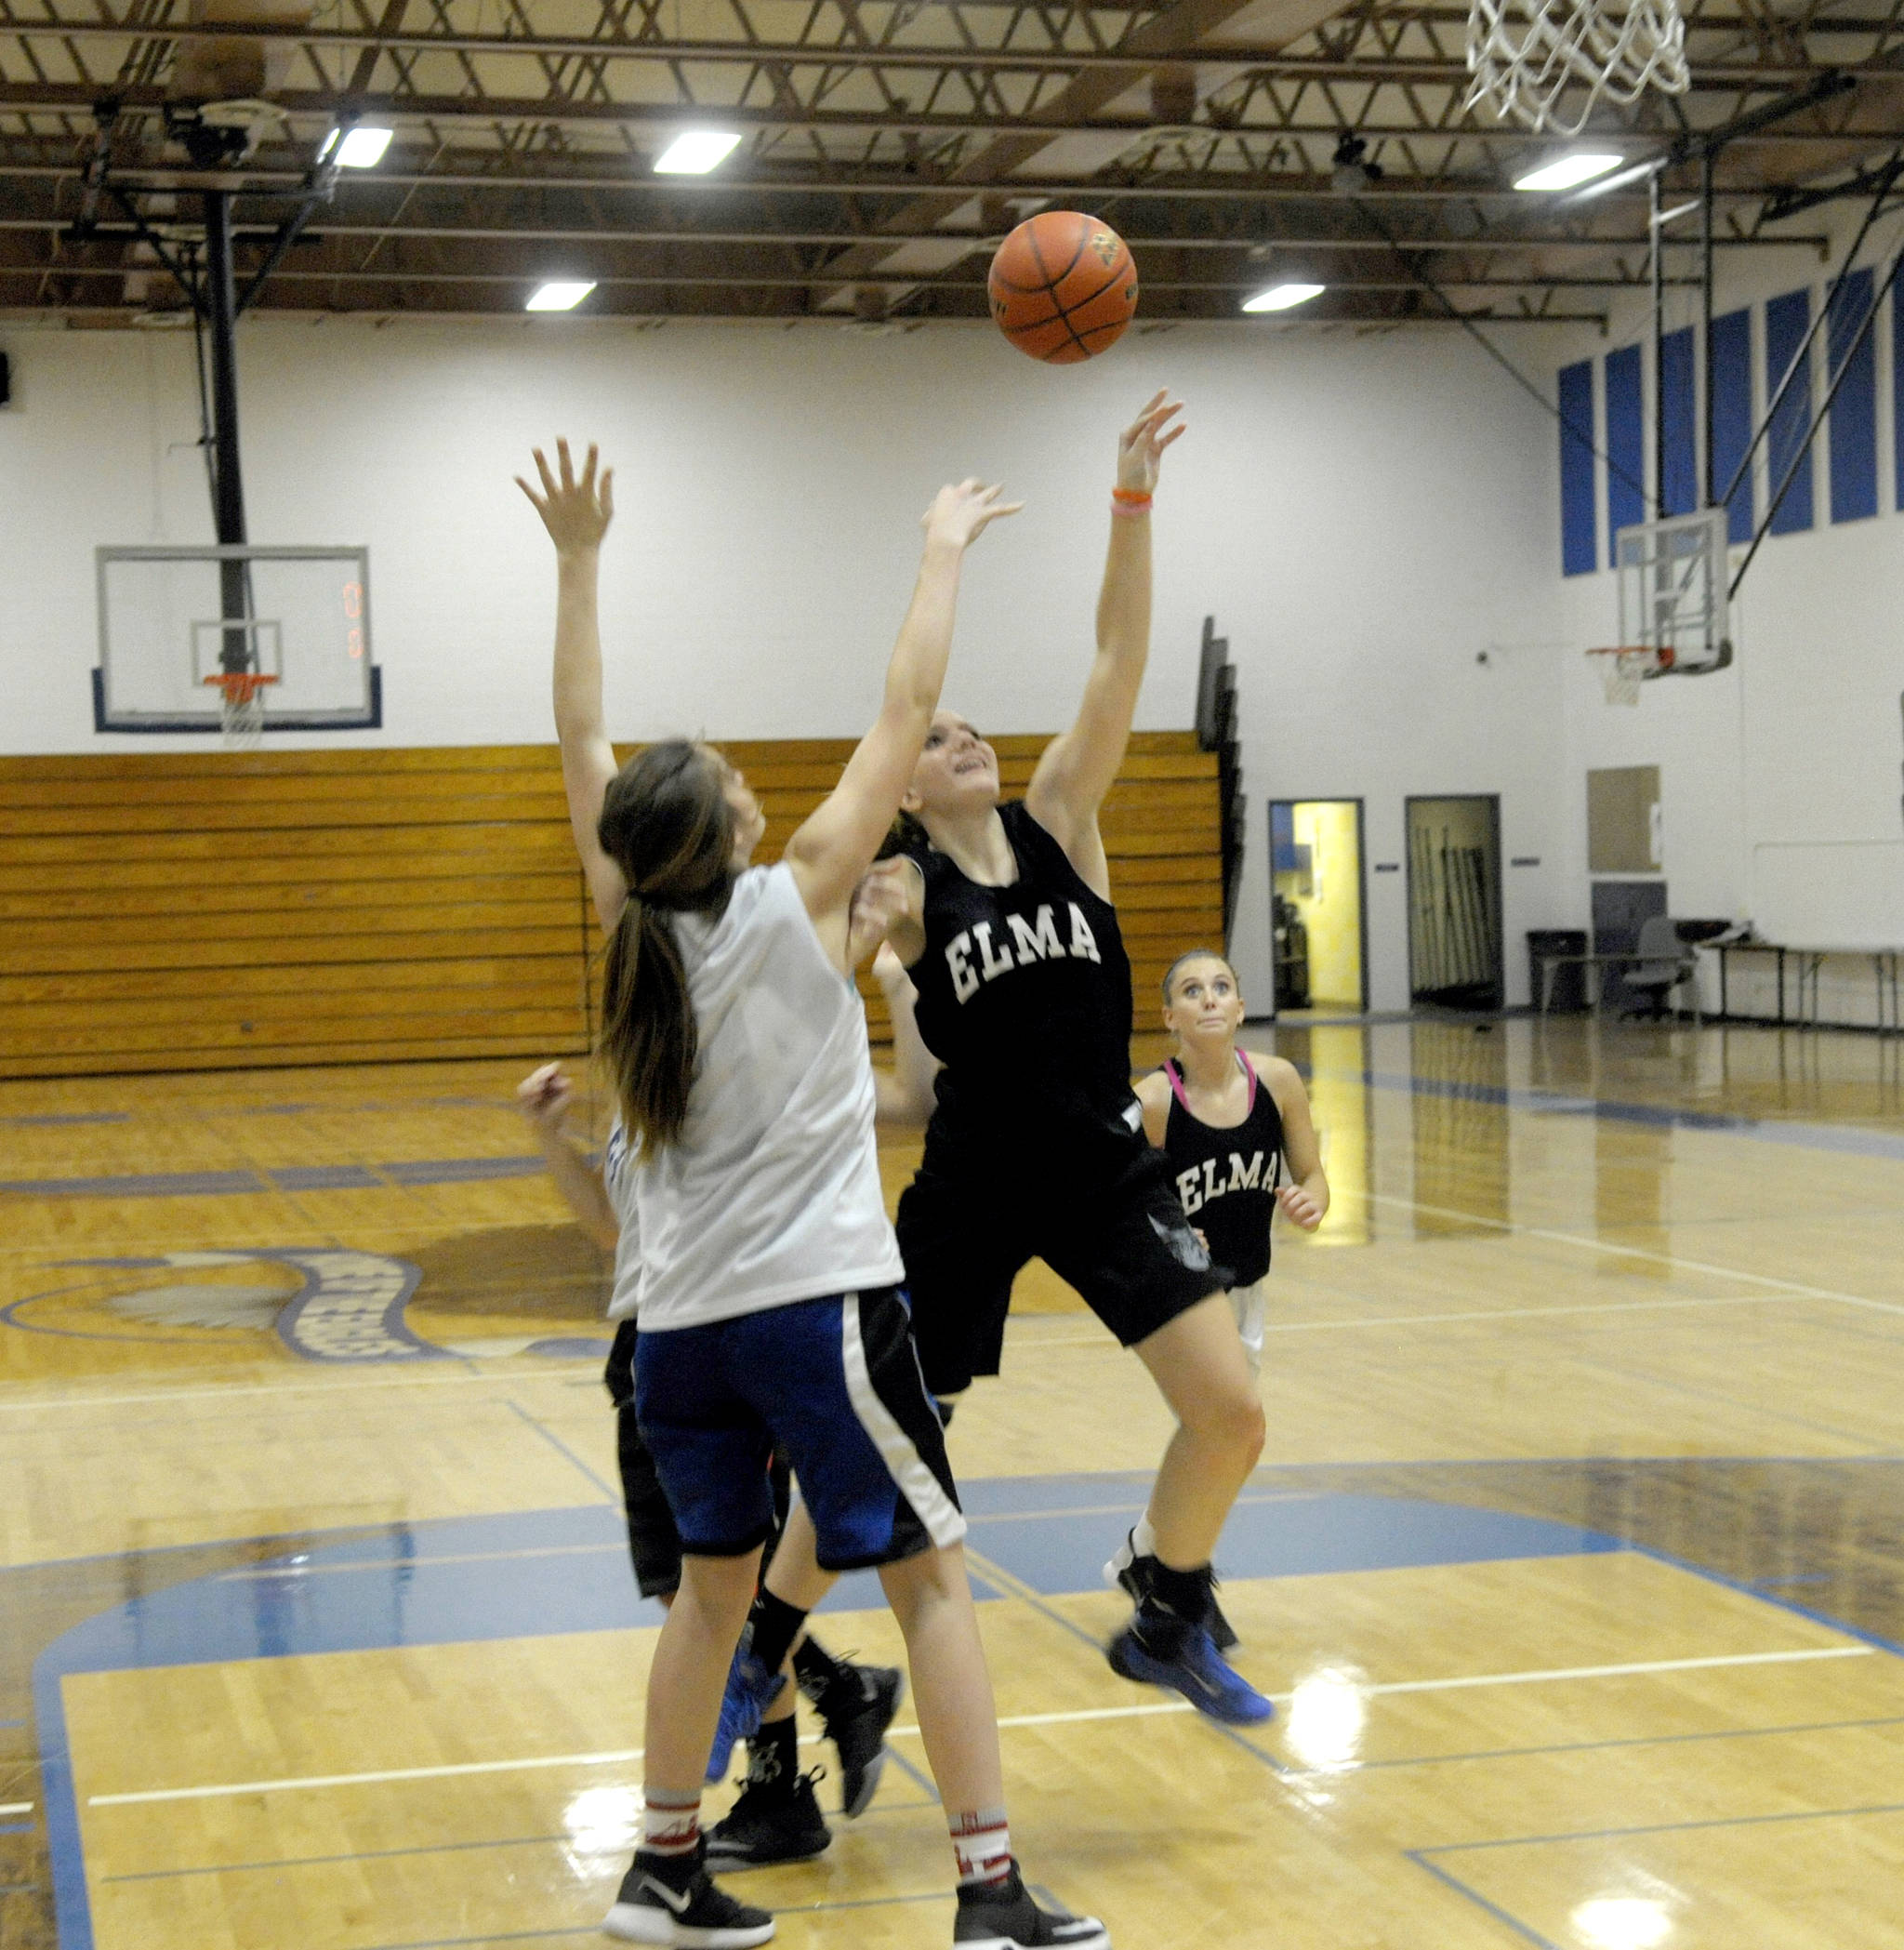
837, 843
576, 514
1078, 768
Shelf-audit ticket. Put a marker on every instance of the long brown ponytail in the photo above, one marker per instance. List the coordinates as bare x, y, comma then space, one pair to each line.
667, 824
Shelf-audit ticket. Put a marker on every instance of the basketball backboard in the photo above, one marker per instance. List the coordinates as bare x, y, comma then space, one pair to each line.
1673, 589
172, 619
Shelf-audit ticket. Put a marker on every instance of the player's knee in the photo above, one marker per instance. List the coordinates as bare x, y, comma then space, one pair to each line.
1232, 1419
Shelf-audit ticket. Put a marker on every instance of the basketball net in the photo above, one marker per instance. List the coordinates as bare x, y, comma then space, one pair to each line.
241, 709
1525, 54
1623, 670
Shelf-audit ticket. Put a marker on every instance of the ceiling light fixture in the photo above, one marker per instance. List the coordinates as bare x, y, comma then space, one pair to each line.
558, 295
694, 152
363, 147
1280, 298
1567, 171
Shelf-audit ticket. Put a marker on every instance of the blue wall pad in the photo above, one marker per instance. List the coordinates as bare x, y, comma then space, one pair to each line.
1732, 419
1854, 451
1626, 445
1578, 536
1787, 319
1678, 407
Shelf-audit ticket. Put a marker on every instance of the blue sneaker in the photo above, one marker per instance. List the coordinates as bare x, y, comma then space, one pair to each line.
1170, 1652
751, 1689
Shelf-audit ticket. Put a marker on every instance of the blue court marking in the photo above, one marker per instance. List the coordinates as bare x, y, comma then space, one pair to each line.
1772, 1597
1419, 1858
74, 1117
15, 1828
1422, 1857
404, 1172
1608, 1746
311, 1862
1717, 1821
444, 1585
563, 1449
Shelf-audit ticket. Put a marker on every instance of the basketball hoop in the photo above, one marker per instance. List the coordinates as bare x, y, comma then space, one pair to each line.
240, 711
1525, 54
1625, 667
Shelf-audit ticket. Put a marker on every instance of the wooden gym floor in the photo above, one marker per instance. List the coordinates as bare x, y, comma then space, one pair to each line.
1574, 1559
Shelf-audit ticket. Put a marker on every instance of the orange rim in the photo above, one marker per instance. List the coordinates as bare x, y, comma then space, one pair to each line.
240, 686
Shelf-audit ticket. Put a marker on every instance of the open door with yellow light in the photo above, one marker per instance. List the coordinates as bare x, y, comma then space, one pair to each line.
1318, 905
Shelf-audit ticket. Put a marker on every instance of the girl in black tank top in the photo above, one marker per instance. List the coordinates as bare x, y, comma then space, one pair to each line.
1231, 1126
1035, 1146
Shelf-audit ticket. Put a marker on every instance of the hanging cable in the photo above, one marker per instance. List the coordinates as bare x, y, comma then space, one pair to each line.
1585, 435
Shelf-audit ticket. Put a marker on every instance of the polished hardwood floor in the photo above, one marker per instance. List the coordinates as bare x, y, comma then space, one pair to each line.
1574, 1560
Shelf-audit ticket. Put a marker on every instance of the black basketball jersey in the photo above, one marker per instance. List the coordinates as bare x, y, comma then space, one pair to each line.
1025, 996
1227, 1179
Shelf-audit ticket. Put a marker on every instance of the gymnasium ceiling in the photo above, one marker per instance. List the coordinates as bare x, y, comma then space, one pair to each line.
886, 144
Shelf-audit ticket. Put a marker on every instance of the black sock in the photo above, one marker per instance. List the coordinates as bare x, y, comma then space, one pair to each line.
821, 1676
1182, 1594
774, 1757
774, 1625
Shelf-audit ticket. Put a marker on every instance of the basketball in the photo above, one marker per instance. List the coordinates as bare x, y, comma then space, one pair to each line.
1062, 287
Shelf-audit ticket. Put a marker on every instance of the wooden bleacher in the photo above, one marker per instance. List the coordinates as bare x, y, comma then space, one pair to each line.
180, 911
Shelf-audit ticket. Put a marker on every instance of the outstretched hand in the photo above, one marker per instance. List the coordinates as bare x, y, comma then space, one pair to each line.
544, 1095
576, 513
1141, 444
959, 515
881, 901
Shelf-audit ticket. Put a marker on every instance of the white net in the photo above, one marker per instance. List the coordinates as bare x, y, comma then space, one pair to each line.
241, 721
1623, 671
1526, 55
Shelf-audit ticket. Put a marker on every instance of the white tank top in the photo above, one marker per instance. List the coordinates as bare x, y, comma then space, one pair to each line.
771, 1194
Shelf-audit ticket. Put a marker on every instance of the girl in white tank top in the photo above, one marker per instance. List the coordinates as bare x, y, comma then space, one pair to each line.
737, 1048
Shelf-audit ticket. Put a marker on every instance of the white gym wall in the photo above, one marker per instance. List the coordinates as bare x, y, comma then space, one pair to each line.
1365, 516
1780, 778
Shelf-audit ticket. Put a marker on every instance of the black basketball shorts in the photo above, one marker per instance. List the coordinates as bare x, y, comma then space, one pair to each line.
1122, 1242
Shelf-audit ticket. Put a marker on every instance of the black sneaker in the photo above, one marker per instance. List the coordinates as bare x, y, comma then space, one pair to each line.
1001, 1915
769, 1824
1132, 1570
858, 1731
668, 1900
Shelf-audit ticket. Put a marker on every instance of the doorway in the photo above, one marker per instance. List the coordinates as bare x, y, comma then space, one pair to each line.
1318, 904
1454, 902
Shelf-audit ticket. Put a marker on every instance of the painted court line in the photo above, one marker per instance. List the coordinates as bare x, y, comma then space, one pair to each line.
1795, 1288
612, 1758
620, 1757
15, 1807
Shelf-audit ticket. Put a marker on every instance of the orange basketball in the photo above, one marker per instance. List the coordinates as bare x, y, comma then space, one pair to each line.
1062, 287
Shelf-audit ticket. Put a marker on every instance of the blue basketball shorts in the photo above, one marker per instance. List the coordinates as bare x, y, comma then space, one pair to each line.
834, 1382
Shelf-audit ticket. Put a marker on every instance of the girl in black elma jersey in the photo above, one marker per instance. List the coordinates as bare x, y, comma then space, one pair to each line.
1037, 1144
1231, 1123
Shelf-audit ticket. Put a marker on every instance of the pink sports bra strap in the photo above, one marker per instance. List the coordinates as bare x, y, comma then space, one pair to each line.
1176, 1077
1249, 1072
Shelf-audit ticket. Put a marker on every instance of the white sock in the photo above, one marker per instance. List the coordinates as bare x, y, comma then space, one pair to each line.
1143, 1538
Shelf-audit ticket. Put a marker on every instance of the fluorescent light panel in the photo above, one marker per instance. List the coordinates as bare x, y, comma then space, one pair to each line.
1568, 170
694, 152
1280, 298
558, 295
363, 147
